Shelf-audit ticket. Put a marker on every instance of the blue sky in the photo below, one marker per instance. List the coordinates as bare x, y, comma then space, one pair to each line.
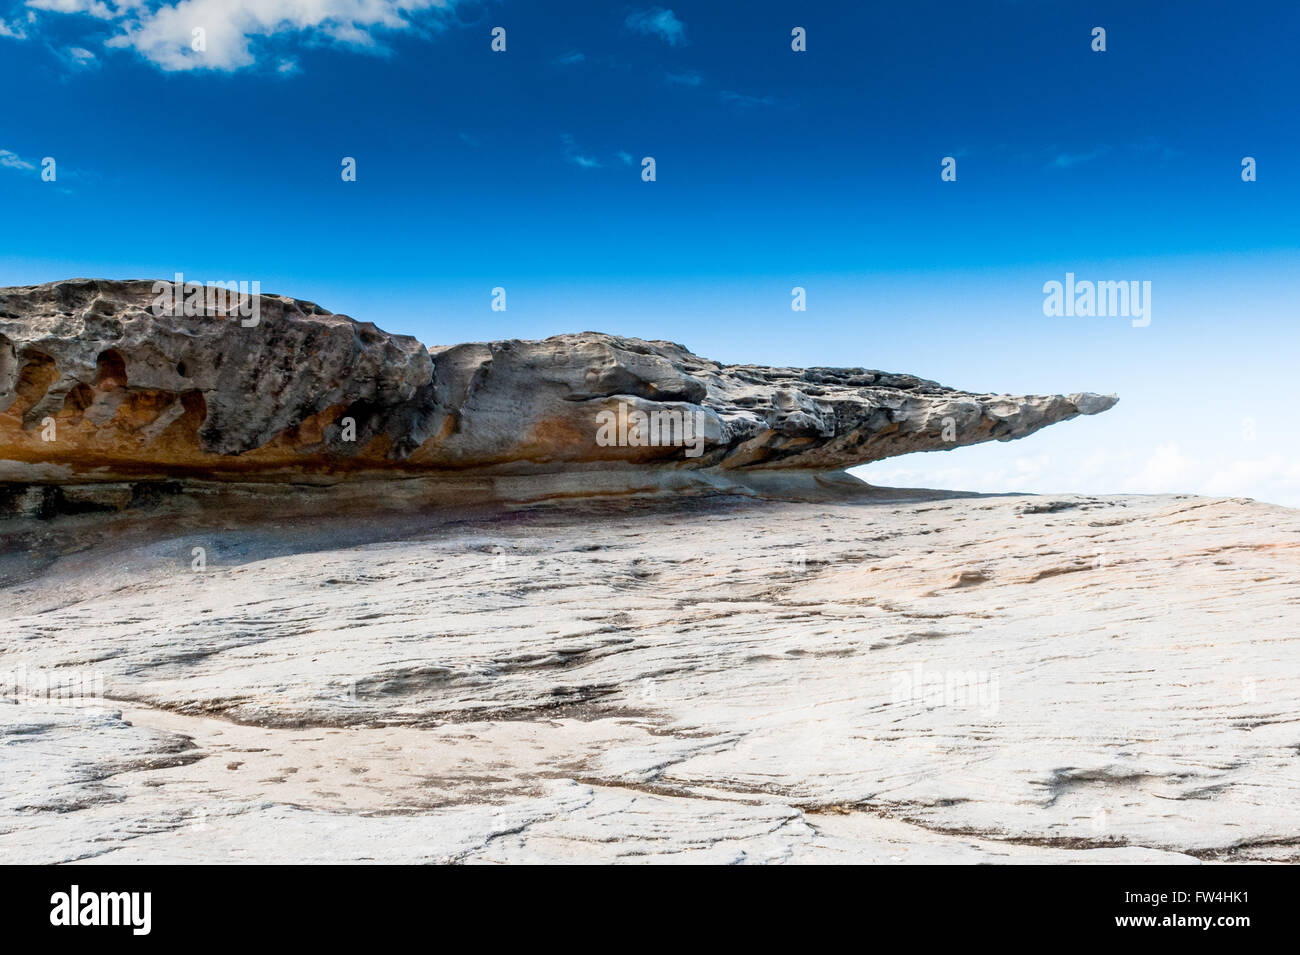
820, 169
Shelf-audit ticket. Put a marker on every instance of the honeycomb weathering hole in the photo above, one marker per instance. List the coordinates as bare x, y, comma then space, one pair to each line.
78, 399
110, 368
35, 378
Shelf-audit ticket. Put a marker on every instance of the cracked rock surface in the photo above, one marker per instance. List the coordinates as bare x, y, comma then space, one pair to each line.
897, 678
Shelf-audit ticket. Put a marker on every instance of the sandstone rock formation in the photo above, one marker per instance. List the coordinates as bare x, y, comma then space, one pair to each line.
134, 393
275, 661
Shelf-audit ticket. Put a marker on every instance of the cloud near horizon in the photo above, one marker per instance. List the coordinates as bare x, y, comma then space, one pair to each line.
1163, 468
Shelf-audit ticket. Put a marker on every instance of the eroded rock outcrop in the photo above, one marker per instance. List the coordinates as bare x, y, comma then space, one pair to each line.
97, 384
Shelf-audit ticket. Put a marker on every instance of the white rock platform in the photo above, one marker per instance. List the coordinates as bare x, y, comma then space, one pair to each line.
896, 678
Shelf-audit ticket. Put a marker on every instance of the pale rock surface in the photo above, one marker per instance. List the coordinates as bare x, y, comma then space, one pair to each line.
892, 678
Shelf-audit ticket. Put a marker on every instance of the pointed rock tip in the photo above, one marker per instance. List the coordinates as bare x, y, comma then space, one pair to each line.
1090, 403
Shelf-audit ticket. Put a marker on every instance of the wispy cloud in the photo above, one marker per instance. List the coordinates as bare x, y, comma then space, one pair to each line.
571, 58
79, 58
13, 29
744, 100
1066, 160
237, 32
1150, 145
625, 158
11, 160
685, 78
574, 155
658, 22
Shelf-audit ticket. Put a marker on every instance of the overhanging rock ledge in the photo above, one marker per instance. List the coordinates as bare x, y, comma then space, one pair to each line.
98, 385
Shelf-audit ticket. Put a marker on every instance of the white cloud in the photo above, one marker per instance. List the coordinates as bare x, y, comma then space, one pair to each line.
1213, 470
571, 58
95, 8
79, 58
1023, 475
658, 22
1166, 468
1274, 476
685, 78
11, 160
164, 33
13, 31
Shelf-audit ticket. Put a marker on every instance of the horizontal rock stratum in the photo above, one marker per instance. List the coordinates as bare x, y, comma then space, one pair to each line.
98, 383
